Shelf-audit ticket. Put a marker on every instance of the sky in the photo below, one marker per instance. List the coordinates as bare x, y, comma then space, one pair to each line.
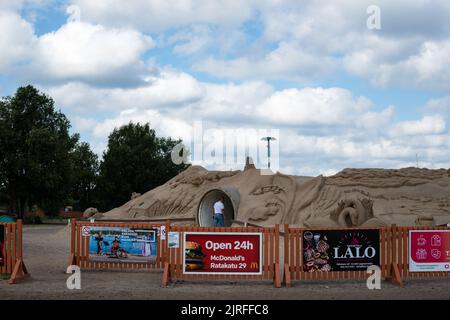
338, 93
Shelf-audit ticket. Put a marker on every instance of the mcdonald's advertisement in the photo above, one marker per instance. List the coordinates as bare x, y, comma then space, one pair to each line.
429, 250
237, 253
340, 250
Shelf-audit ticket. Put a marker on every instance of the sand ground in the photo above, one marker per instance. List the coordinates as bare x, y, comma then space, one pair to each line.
46, 250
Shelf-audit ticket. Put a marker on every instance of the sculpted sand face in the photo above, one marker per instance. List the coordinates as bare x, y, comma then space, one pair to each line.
353, 197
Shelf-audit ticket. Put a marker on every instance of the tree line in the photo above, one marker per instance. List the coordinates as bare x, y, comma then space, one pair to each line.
44, 166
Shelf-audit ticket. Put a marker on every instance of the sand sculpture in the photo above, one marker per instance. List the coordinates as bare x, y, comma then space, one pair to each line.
353, 197
90, 212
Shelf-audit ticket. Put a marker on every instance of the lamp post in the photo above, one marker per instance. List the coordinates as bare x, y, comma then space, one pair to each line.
268, 139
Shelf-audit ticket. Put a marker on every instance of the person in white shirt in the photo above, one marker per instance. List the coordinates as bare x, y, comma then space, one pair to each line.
219, 209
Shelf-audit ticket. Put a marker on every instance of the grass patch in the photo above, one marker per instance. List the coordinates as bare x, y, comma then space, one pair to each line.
5, 276
55, 220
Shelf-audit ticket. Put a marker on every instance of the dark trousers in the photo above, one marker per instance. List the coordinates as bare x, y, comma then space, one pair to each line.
218, 220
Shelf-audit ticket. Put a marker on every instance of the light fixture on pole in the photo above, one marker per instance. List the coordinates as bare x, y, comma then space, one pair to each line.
268, 139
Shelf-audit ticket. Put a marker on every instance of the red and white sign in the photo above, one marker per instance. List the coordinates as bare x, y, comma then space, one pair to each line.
237, 253
429, 250
86, 231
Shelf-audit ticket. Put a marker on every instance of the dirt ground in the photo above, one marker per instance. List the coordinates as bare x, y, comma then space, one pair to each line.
46, 249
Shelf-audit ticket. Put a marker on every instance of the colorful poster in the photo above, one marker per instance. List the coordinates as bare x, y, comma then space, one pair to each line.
222, 253
429, 250
121, 244
174, 239
340, 250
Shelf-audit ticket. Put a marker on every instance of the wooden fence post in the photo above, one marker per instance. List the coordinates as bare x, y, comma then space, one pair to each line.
395, 273
20, 270
388, 247
287, 258
73, 247
277, 279
167, 277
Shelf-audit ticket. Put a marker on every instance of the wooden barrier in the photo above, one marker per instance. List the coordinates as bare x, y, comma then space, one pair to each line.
394, 256
294, 265
79, 247
400, 241
394, 253
173, 267
12, 252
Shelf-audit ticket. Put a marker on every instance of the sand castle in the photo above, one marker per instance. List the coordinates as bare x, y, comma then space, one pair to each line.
352, 197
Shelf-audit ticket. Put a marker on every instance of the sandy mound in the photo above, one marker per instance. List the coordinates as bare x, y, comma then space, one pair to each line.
353, 197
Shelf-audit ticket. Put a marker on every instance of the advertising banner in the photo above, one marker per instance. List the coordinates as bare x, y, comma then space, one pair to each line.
174, 239
122, 244
340, 250
237, 253
429, 250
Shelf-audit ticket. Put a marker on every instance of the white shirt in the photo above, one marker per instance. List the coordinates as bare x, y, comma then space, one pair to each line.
218, 206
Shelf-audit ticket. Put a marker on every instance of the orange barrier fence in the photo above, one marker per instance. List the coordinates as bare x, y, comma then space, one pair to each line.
82, 256
394, 255
389, 247
268, 266
11, 247
294, 255
401, 243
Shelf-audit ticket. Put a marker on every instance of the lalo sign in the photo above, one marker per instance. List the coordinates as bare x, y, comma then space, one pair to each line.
340, 250
354, 251
429, 250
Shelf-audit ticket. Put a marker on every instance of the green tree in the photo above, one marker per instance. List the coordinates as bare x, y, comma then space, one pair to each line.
35, 147
136, 160
85, 171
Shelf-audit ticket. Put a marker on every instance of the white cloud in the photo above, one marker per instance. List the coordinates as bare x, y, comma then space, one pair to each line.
75, 51
188, 42
16, 40
83, 51
365, 138
83, 124
98, 69
439, 105
427, 68
15, 5
12, 5
165, 126
313, 38
168, 89
356, 135
159, 15
196, 40
295, 41
232, 102
288, 61
320, 152
313, 106
426, 125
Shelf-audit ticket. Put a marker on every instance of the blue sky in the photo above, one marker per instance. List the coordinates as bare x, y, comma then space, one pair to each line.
340, 94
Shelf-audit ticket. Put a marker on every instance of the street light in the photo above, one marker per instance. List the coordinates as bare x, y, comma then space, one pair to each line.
268, 139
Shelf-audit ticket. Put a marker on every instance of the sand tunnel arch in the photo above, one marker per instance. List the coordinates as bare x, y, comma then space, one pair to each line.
205, 207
